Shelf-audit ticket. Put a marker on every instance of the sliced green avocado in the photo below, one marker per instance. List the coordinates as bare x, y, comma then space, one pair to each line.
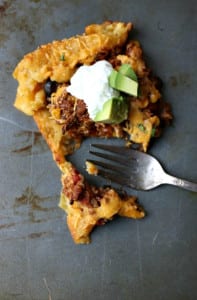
126, 70
123, 83
114, 110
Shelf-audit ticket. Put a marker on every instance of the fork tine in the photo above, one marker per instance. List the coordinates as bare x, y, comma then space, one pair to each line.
110, 157
131, 153
108, 166
125, 160
118, 154
115, 149
114, 178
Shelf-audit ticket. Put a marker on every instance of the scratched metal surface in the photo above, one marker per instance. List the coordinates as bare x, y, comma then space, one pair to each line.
150, 259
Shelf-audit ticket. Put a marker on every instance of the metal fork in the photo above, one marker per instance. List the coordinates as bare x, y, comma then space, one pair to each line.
135, 169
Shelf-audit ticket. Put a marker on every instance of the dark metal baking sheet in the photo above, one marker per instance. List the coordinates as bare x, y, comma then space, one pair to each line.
154, 258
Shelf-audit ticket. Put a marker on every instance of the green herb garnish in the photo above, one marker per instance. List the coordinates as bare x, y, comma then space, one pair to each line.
62, 57
141, 127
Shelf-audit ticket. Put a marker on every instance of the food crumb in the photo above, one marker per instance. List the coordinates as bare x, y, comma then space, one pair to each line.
91, 168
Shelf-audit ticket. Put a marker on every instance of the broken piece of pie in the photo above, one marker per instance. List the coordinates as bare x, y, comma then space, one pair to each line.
53, 89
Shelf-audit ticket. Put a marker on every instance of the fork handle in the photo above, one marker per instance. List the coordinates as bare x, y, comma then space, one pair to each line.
185, 184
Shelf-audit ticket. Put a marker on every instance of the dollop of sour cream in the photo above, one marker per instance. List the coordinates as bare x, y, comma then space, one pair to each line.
91, 84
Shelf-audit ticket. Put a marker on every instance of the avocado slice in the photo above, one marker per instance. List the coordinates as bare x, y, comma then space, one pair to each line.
123, 83
114, 110
126, 70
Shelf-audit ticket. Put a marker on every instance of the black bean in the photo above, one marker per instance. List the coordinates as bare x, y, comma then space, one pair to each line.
50, 87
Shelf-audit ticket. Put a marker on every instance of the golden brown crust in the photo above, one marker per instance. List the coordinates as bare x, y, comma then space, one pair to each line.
82, 219
58, 61
59, 144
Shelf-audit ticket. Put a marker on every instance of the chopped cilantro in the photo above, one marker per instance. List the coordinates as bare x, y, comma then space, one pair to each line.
141, 127
62, 57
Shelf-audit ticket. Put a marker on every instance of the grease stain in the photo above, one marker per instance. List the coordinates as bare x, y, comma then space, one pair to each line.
181, 79
33, 200
35, 235
28, 210
5, 226
4, 7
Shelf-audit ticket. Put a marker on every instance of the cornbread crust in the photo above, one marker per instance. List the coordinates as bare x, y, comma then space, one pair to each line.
86, 206
81, 219
58, 61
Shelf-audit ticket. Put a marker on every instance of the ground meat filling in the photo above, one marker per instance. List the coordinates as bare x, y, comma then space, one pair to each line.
74, 117
74, 114
78, 189
162, 110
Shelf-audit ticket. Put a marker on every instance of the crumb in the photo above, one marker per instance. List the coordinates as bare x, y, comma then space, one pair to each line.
91, 168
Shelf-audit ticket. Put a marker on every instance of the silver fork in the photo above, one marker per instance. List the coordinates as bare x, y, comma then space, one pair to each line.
134, 169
